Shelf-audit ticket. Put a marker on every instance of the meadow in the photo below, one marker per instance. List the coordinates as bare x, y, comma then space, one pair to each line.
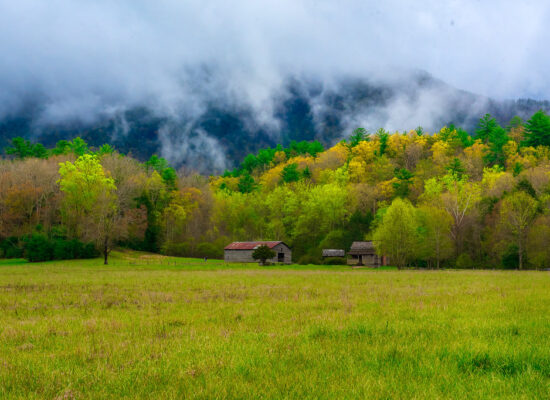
153, 327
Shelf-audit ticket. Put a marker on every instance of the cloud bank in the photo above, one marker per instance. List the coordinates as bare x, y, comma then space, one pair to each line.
83, 59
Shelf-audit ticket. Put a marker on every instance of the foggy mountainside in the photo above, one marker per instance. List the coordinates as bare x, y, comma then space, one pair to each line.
225, 129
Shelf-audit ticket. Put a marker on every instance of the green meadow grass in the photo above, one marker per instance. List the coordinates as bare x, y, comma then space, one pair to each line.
160, 328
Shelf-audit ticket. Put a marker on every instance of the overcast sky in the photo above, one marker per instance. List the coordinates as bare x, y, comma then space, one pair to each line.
89, 55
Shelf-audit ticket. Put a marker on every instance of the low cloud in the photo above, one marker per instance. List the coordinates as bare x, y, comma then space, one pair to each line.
84, 59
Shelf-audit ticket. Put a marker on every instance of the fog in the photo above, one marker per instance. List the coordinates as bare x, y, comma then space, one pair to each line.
82, 59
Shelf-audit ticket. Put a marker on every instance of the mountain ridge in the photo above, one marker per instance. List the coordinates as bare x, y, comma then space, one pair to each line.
303, 108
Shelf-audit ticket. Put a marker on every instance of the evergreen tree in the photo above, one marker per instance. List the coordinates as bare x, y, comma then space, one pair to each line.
486, 126
401, 187
456, 168
246, 184
537, 129
357, 136
290, 173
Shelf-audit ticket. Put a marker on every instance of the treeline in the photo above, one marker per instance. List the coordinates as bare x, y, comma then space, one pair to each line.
445, 199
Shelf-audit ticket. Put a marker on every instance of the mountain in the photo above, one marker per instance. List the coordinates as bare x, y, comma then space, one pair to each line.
303, 108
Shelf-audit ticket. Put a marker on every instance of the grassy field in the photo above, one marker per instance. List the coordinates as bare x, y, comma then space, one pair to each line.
156, 328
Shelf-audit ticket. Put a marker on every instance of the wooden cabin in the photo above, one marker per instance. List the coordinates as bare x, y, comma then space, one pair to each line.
242, 252
333, 253
363, 253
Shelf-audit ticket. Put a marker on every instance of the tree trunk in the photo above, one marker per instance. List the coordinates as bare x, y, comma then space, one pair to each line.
437, 252
520, 249
105, 251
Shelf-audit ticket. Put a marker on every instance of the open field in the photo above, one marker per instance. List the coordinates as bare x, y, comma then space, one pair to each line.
139, 329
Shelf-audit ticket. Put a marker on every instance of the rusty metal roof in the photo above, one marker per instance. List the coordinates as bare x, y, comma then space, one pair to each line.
250, 245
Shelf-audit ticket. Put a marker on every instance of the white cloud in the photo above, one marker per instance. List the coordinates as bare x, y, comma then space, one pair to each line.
85, 58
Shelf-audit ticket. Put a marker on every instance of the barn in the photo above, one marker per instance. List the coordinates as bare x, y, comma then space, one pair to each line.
242, 252
363, 253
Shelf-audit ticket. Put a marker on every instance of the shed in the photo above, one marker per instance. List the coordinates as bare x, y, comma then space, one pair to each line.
242, 252
334, 253
363, 253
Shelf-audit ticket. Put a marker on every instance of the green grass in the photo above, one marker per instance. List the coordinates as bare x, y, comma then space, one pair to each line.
153, 327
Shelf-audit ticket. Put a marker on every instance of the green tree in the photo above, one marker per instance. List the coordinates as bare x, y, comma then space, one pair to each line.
249, 163
290, 173
397, 233
79, 147
263, 253
537, 130
515, 122
22, 148
90, 201
39, 151
155, 197
517, 212
404, 177
383, 138
62, 147
156, 163
497, 139
306, 173
458, 197
435, 231
455, 167
169, 177
492, 134
538, 242
105, 149
357, 136
246, 184
485, 127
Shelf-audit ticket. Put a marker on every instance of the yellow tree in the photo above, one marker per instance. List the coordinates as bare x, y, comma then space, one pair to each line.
90, 201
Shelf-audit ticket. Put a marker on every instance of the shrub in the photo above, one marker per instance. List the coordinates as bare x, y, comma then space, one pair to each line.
464, 261
334, 261
510, 258
176, 249
11, 248
38, 248
89, 251
309, 259
263, 253
206, 249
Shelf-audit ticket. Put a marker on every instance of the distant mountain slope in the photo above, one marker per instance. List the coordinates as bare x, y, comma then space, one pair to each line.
302, 109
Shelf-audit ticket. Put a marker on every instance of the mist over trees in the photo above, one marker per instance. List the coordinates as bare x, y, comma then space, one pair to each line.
225, 130
427, 200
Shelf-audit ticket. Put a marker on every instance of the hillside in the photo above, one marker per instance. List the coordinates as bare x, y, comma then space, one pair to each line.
223, 131
445, 199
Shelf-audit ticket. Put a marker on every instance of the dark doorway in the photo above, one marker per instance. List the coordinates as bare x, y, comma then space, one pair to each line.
280, 257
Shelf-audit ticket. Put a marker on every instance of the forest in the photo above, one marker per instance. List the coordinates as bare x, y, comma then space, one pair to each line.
427, 199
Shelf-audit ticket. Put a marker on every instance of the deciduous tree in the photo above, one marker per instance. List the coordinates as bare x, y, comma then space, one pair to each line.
397, 233
90, 201
517, 213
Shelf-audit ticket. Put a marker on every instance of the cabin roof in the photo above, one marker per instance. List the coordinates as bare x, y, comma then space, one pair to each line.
366, 247
251, 245
334, 253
